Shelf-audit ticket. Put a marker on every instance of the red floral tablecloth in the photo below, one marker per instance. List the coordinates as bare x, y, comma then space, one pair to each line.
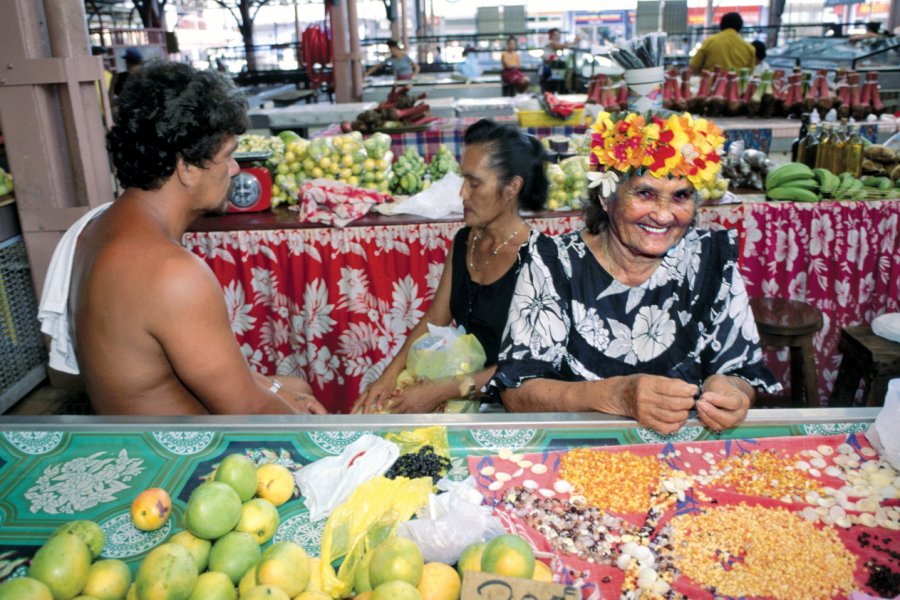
333, 305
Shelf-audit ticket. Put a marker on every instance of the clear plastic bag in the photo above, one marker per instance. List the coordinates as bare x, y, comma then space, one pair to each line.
451, 522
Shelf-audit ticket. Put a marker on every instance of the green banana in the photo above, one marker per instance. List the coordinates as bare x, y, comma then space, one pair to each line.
881, 183
783, 174
846, 182
807, 184
793, 194
828, 181
851, 190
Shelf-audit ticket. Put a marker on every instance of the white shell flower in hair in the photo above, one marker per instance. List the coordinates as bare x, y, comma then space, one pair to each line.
606, 179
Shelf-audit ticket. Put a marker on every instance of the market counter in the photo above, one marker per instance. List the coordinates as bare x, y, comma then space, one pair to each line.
56, 469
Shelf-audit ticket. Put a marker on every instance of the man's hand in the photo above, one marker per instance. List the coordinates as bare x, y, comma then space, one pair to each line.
724, 402
298, 393
420, 397
659, 402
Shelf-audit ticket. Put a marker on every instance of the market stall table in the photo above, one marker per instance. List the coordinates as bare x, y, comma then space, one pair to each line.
57, 469
376, 89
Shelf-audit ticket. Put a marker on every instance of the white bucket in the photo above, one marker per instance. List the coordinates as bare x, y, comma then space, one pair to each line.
645, 89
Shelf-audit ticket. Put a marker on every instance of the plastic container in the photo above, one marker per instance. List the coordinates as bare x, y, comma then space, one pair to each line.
539, 118
645, 89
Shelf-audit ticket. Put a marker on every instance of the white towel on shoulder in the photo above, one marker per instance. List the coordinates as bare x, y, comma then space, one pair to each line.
54, 309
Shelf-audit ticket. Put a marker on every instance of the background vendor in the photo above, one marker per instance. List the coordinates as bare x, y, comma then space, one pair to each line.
502, 171
403, 66
726, 49
640, 313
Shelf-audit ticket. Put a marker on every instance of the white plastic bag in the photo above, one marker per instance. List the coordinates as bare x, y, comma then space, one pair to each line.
882, 433
439, 201
329, 481
452, 521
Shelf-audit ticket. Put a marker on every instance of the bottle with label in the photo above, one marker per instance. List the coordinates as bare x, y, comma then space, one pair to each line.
795, 146
823, 156
853, 152
806, 150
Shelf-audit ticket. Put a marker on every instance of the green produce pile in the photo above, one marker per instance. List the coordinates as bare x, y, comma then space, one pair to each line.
796, 182
568, 184
409, 173
6, 182
442, 163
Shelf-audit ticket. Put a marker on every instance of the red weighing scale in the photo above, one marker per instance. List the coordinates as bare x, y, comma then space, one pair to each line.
251, 188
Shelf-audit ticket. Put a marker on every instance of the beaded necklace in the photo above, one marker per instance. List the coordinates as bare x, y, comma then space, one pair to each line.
493, 253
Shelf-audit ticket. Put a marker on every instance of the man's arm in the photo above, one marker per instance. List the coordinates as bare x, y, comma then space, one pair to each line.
194, 330
699, 59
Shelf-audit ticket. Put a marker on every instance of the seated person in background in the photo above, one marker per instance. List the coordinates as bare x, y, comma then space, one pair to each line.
761, 65
404, 67
640, 313
552, 49
151, 330
512, 74
469, 68
726, 49
503, 172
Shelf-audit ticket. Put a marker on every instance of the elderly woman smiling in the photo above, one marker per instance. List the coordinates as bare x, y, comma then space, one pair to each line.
640, 314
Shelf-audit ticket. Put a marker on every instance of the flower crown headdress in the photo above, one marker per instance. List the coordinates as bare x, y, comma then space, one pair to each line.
677, 146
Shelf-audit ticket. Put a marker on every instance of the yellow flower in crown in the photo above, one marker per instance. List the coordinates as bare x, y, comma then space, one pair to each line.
677, 146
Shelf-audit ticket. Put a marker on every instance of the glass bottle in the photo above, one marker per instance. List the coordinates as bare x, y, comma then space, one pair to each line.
838, 141
806, 150
853, 152
795, 146
823, 156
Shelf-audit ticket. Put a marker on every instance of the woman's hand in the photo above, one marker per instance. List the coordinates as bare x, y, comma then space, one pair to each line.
659, 402
420, 397
377, 393
724, 402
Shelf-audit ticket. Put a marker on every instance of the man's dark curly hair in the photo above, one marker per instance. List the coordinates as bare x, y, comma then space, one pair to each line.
168, 111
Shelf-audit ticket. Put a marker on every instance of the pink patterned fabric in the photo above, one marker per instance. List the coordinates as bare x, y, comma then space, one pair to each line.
334, 203
334, 305
841, 257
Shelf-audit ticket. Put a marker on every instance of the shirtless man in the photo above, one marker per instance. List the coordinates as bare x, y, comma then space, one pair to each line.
151, 330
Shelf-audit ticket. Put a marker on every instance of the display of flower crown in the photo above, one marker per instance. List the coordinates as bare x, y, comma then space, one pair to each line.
675, 146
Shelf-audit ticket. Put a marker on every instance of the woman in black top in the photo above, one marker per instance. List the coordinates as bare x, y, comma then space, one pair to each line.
503, 171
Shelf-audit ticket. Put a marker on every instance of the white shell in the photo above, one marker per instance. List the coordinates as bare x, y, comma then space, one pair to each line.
505, 453
868, 451
642, 553
495, 486
837, 513
525, 463
660, 587
488, 471
802, 465
630, 548
530, 484
539, 469
833, 471
518, 473
812, 497
867, 519
815, 472
515, 457
646, 578
546, 493
501, 476
623, 561
843, 522
825, 450
562, 486
810, 514
845, 449
818, 463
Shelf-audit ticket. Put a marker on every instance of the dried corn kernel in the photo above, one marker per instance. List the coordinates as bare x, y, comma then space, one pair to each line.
616, 481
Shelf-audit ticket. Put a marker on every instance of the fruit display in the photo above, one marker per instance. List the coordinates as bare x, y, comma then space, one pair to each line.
796, 182
442, 163
409, 173
6, 182
745, 168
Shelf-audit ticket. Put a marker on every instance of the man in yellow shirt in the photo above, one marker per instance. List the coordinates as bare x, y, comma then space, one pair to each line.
725, 49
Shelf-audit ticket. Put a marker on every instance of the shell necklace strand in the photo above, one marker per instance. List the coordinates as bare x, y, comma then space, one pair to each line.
493, 253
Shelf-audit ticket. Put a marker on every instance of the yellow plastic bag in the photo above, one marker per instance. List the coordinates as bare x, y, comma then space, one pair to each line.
410, 441
445, 352
366, 519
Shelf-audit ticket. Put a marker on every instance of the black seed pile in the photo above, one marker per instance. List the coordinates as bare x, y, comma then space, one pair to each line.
424, 463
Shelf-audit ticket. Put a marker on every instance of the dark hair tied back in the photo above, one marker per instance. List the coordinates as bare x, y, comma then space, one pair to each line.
513, 154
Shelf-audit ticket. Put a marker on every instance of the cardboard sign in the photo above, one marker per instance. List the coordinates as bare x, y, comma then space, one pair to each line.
486, 586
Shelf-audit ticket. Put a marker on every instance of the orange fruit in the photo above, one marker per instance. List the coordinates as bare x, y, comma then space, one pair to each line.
275, 483
396, 590
439, 582
396, 559
151, 509
508, 555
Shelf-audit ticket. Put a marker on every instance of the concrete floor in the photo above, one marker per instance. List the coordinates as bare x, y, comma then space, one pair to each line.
47, 399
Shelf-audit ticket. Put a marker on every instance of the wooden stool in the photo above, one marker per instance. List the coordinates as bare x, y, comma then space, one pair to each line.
869, 357
791, 323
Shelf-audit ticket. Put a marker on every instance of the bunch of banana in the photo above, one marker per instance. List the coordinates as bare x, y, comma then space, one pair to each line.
829, 183
794, 182
879, 188
850, 188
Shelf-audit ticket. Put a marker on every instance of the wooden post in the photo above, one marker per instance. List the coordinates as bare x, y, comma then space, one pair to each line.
355, 53
343, 91
51, 121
